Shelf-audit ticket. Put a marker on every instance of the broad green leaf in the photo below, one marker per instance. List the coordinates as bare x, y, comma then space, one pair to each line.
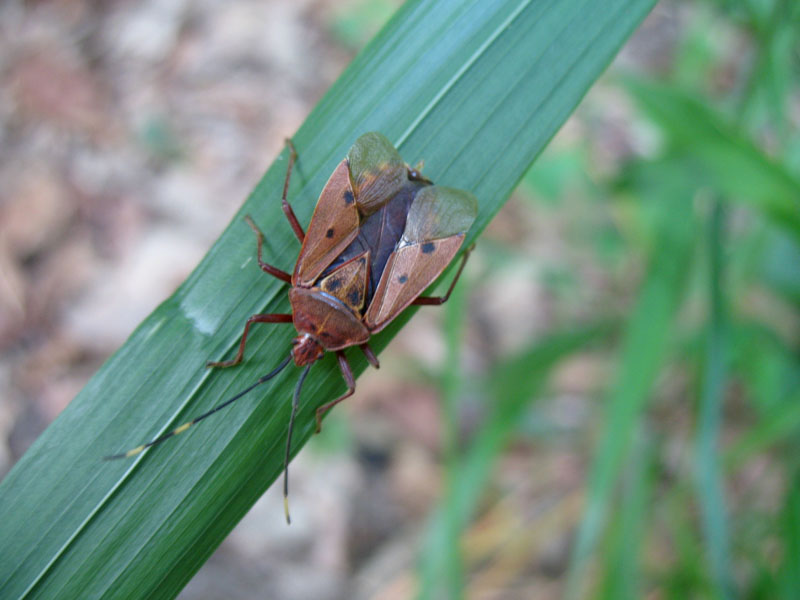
476, 89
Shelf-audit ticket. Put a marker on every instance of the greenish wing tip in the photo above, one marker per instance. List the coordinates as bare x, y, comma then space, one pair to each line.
373, 152
438, 212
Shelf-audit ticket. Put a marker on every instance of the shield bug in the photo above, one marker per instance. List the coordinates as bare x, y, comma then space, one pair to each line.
380, 234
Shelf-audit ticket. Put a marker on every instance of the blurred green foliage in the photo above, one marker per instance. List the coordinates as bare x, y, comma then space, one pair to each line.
706, 362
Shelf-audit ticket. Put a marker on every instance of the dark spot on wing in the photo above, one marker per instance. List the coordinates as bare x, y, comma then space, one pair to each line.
428, 247
348, 197
402, 278
329, 233
354, 297
378, 233
326, 335
333, 285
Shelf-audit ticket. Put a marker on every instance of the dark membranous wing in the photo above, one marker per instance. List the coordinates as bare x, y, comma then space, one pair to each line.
437, 222
379, 233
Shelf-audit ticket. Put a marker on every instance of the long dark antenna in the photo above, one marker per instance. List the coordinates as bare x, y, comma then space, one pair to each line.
295, 404
185, 426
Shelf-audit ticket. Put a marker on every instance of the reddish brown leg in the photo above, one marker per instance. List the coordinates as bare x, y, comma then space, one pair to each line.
373, 360
287, 209
347, 373
267, 268
439, 300
273, 318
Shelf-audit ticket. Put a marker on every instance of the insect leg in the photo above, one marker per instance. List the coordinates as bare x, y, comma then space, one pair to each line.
267, 268
273, 318
287, 209
347, 373
439, 300
371, 358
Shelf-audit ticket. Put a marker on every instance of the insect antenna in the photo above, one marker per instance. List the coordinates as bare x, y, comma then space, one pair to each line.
295, 404
185, 426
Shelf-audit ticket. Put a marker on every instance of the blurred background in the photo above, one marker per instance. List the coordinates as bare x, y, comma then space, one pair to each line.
615, 371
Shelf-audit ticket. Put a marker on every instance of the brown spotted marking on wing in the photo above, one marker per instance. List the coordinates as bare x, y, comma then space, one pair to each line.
333, 226
410, 269
348, 282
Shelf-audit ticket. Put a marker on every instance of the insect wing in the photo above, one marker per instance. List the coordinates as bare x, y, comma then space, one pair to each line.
377, 172
437, 223
333, 226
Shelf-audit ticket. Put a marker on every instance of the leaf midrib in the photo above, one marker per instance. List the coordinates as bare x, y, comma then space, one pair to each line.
461, 72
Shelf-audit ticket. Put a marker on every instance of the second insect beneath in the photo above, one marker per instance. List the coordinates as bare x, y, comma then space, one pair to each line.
380, 234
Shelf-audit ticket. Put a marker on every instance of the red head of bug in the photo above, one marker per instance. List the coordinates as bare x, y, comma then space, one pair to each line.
380, 234
306, 350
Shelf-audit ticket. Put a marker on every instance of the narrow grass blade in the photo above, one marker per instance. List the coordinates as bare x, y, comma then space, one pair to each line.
515, 384
644, 349
624, 560
708, 475
452, 583
789, 574
782, 423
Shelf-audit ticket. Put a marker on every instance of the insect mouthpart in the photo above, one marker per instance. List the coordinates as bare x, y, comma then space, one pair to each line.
306, 350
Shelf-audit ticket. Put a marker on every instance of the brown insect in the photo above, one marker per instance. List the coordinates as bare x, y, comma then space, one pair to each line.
380, 234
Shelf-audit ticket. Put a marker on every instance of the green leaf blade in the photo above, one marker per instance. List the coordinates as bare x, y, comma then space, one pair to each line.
476, 89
